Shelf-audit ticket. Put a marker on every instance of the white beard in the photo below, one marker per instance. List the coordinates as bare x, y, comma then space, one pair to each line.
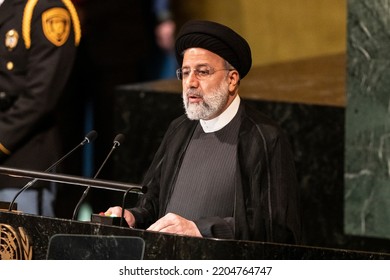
211, 104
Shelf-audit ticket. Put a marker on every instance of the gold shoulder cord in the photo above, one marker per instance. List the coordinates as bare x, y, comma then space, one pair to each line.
27, 16
75, 19
4, 150
26, 23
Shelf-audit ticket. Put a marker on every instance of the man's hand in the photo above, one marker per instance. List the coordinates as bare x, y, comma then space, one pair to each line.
172, 223
117, 211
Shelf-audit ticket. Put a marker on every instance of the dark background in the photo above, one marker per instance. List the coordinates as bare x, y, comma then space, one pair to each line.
117, 47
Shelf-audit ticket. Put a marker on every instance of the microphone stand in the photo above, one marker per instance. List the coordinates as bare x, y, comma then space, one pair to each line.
117, 141
88, 138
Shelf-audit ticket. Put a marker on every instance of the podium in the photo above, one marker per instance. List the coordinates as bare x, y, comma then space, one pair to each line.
28, 237
25, 236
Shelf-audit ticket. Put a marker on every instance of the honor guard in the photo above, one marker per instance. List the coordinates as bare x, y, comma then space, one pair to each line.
38, 43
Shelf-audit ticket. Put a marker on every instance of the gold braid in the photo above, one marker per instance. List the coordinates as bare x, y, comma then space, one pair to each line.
26, 23
75, 19
28, 13
4, 150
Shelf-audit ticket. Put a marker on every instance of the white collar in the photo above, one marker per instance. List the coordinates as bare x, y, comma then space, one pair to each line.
223, 119
1, 2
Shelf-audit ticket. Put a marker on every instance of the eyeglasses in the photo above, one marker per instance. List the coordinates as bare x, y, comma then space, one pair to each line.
201, 72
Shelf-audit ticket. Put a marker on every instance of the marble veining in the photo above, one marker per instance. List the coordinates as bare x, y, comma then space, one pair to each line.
367, 144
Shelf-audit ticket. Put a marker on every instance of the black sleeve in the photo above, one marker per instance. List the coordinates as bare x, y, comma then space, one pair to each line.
216, 227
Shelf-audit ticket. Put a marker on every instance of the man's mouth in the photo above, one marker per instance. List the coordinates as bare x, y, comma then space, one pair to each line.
194, 98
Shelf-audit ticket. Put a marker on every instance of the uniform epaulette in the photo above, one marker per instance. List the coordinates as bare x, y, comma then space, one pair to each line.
27, 17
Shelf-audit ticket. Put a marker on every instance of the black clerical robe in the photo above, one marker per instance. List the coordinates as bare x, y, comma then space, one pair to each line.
266, 192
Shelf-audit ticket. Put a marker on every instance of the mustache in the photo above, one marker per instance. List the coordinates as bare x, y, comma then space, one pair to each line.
193, 93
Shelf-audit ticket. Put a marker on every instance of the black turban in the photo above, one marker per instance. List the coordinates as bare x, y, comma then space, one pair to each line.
216, 38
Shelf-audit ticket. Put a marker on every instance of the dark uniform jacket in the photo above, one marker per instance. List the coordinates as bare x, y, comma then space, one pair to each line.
266, 194
38, 42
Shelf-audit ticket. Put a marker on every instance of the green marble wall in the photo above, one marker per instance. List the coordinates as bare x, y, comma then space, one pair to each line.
367, 150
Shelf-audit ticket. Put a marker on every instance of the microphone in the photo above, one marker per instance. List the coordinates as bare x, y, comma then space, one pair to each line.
90, 137
118, 140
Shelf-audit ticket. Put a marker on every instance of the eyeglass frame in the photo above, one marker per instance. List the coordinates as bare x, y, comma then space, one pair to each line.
211, 71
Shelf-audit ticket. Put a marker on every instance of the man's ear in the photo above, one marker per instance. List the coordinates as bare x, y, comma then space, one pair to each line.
234, 80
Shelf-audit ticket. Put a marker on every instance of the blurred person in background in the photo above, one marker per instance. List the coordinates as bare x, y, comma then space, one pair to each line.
38, 46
